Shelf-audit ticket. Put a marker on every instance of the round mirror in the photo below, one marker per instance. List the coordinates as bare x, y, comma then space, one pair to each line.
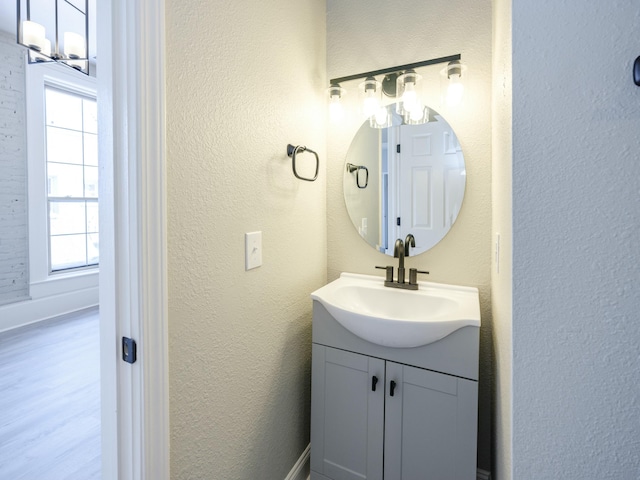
402, 179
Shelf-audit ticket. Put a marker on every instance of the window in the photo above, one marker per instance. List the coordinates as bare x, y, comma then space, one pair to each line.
63, 186
72, 179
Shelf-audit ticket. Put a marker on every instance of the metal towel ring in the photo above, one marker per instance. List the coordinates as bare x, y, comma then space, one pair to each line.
356, 168
292, 151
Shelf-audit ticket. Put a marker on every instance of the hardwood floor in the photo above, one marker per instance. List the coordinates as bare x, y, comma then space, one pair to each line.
50, 399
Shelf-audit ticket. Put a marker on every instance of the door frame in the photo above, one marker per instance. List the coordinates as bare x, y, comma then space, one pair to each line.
133, 263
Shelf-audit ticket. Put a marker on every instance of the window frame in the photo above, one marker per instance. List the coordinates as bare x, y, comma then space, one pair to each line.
56, 199
44, 282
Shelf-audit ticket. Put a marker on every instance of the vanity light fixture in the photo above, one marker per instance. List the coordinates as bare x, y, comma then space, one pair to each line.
67, 24
402, 82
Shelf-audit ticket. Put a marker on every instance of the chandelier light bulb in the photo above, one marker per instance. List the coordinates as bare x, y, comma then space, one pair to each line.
46, 50
33, 35
74, 46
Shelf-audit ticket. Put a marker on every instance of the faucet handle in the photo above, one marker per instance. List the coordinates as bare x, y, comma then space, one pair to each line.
413, 275
389, 271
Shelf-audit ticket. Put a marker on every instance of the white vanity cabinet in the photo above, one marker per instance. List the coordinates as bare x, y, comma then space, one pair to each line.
380, 413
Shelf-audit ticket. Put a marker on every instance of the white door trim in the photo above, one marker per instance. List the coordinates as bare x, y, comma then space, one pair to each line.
133, 273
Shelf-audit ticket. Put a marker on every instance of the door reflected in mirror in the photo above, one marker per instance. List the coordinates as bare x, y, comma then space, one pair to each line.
415, 181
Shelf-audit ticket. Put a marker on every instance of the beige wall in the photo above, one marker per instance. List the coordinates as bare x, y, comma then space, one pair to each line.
501, 303
243, 80
364, 35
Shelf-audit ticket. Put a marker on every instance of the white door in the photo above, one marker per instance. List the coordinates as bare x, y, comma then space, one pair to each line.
431, 174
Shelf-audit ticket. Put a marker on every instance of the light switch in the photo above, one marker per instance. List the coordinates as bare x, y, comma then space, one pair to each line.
252, 250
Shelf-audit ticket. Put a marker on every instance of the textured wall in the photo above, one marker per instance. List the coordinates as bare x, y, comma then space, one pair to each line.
364, 35
243, 80
501, 306
576, 224
14, 241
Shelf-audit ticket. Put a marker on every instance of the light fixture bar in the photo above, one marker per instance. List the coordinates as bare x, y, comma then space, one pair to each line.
399, 68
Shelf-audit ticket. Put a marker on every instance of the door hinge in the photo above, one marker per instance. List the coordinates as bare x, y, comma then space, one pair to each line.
398, 148
129, 353
398, 221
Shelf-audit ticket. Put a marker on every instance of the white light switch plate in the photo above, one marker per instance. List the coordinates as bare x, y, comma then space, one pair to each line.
252, 250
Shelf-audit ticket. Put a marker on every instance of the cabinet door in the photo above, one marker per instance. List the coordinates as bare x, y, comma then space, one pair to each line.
430, 425
347, 415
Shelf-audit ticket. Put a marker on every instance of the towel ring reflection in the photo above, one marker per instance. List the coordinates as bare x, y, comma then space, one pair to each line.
356, 168
292, 151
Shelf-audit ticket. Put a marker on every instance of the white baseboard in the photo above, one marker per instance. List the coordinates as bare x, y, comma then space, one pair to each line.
483, 475
300, 470
19, 314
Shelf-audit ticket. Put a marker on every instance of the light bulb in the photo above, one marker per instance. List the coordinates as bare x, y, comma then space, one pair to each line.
416, 114
454, 91
370, 96
46, 50
336, 112
381, 116
33, 35
408, 92
409, 97
452, 87
370, 105
74, 46
44, 55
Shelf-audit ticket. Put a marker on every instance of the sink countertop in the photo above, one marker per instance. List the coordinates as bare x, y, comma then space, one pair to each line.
396, 317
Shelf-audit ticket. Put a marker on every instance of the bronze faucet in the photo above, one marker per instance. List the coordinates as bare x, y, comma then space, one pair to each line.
401, 250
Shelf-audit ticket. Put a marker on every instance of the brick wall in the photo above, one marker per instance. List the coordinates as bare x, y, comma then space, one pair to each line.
14, 240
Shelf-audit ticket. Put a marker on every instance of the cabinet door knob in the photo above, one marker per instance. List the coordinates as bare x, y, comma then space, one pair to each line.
392, 387
374, 381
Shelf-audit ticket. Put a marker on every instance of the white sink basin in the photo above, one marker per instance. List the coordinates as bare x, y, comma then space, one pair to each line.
393, 317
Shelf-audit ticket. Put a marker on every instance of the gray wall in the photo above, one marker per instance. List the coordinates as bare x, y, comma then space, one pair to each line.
576, 225
14, 242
